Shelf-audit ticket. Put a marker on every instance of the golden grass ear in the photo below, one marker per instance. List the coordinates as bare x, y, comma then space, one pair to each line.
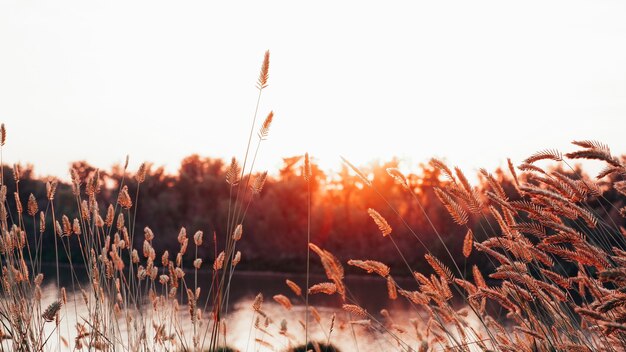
33, 207
51, 312
264, 74
551, 154
232, 175
594, 154
463, 180
512, 170
307, 167
3, 134
443, 168
441, 270
140, 176
265, 127
51, 187
283, 301
398, 177
384, 227
591, 144
259, 182
495, 186
468, 243
371, 266
328, 288
392, 291
459, 215
531, 167
294, 287
354, 309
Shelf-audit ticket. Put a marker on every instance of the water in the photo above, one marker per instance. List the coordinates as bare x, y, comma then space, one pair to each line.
370, 292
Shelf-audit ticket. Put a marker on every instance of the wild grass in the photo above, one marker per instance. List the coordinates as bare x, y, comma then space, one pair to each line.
557, 280
530, 241
132, 300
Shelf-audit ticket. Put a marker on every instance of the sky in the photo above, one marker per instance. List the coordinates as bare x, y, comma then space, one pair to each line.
473, 82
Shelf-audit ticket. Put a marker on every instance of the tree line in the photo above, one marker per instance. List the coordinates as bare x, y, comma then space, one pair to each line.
197, 197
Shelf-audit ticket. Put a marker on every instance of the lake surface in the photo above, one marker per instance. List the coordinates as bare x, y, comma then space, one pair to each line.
370, 292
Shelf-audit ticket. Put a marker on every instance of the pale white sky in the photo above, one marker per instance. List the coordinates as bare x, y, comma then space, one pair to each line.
472, 81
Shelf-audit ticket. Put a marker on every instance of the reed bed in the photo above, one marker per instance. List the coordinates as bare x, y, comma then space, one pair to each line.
134, 298
557, 280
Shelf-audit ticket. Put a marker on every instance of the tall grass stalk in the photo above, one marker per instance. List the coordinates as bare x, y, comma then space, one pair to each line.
307, 177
